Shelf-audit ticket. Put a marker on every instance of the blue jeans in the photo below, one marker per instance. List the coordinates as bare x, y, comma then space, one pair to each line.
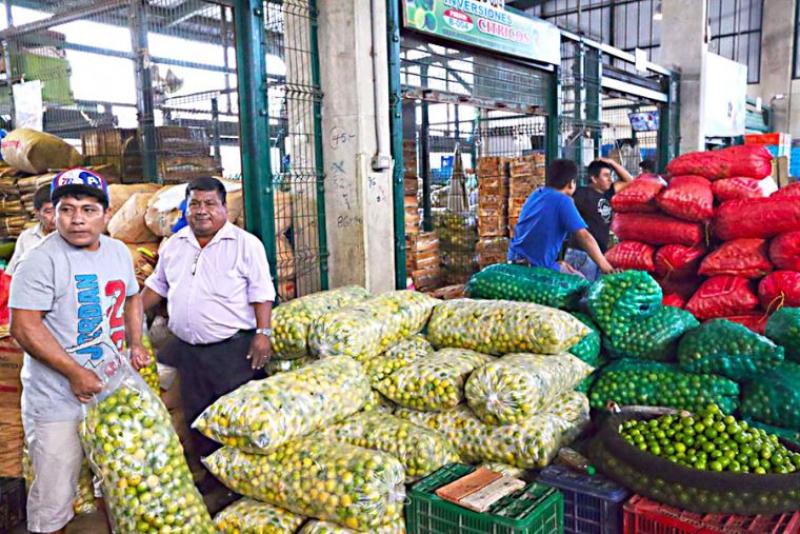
582, 263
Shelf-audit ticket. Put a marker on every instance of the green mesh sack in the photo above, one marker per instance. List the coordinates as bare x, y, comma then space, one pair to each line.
517, 386
774, 397
654, 338
639, 383
783, 328
397, 357
254, 517
727, 349
588, 349
616, 301
503, 327
291, 321
529, 284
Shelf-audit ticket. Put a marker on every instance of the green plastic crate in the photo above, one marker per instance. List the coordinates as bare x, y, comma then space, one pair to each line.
535, 509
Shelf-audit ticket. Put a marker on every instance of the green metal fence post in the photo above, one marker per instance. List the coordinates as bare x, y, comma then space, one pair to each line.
553, 117
396, 128
253, 122
669, 125
315, 78
144, 90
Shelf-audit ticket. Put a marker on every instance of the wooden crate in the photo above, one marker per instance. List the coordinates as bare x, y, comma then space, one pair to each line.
11, 438
492, 166
523, 186
493, 186
492, 226
533, 164
492, 250
182, 169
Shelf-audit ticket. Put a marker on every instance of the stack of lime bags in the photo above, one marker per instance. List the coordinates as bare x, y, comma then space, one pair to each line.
319, 442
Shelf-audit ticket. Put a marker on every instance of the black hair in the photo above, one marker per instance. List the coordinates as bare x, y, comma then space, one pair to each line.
99, 196
648, 165
560, 173
41, 197
596, 167
207, 183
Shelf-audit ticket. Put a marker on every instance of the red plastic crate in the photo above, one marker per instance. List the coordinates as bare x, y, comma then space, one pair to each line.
643, 516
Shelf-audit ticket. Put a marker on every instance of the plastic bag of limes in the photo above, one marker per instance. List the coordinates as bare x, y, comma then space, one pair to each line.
435, 382
354, 487
528, 284
728, 349
274, 366
150, 372
324, 527
527, 445
640, 383
291, 321
503, 327
774, 397
419, 449
129, 439
397, 357
517, 386
254, 517
783, 328
366, 330
264, 414
504, 469
84, 502
378, 403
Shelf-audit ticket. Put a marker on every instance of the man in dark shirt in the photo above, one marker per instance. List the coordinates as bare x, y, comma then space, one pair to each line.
594, 205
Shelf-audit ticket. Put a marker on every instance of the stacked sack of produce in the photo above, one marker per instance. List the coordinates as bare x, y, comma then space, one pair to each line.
717, 244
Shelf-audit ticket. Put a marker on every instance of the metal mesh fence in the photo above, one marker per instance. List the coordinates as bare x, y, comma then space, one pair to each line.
294, 99
148, 90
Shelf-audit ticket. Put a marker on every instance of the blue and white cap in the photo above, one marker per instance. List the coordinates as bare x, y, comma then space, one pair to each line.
79, 180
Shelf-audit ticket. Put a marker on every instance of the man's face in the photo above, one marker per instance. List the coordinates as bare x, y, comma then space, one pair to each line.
46, 217
603, 180
80, 222
205, 213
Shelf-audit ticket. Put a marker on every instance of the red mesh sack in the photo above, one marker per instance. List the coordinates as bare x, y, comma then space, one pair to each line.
757, 322
656, 229
682, 288
678, 261
674, 300
752, 161
757, 218
723, 296
784, 251
780, 289
790, 191
689, 198
640, 196
632, 255
740, 257
736, 188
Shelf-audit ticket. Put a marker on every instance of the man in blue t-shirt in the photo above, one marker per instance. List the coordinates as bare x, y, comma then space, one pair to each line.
548, 217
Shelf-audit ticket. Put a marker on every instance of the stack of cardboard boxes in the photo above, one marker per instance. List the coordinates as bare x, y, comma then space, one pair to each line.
525, 173
10, 419
422, 248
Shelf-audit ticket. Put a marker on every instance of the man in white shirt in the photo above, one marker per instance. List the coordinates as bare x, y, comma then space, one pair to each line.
28, 239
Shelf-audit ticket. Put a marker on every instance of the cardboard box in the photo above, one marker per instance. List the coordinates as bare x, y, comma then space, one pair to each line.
11, 438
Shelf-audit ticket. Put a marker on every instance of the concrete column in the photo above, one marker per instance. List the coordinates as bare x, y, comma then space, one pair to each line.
683, 46
777, 49
358, 202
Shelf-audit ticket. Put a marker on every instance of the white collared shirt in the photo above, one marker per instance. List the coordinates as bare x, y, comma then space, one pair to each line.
26, 241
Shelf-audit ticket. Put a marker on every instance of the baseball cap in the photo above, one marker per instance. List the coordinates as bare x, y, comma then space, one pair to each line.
79, 181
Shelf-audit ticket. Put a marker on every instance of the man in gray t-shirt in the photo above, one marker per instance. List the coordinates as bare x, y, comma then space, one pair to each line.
74, 305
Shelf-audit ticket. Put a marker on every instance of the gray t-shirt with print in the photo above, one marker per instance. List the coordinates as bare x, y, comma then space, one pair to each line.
83, 294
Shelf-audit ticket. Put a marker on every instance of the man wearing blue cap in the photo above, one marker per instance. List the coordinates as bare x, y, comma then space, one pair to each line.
74, 305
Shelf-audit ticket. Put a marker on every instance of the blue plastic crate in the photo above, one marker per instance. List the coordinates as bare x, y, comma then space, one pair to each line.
592, 504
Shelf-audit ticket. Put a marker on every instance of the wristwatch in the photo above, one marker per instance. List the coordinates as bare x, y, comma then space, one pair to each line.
264, 332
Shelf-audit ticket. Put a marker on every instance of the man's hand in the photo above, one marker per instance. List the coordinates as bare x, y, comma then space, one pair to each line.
84, 383
139, 357
260, 351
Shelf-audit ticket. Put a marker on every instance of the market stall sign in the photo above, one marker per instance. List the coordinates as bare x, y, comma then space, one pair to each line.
483, 25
